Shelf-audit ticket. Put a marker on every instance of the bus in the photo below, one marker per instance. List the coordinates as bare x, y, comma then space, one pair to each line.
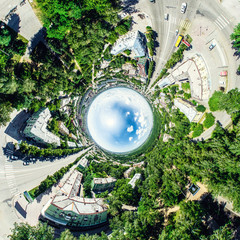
179, 40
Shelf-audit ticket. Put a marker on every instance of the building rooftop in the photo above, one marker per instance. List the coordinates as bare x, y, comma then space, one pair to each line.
37, 126
134, 179
71, 144
165, 82
67, 197
132, 41
83, 162
185, 108
104, 180
128, 172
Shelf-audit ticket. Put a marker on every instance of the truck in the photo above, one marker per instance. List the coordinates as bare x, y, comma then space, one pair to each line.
179, 40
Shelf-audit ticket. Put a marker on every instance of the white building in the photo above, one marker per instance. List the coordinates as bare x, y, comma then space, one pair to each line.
134, 179
132, 41
186, 108
67, 208
37, 128
62, 128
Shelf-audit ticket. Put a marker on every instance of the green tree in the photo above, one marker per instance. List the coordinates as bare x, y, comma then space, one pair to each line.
200, 108
5, 110
5, 37
215, 101
24, 231
198, 130
223, 233
121, 29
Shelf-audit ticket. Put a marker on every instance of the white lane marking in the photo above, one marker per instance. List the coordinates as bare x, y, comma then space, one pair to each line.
225, 19
220, 20
218, 25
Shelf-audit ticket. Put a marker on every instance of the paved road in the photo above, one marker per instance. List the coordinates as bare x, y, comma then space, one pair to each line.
16, 178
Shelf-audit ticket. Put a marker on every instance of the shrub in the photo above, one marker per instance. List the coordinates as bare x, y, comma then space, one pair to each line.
128, 52
186, 86
187, 95
209, 120
194, 102
198, 130
200, 108
148, 28
173, 89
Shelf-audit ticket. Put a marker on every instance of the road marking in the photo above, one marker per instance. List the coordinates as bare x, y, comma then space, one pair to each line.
225, 19
10, 177
221, 22
218, 25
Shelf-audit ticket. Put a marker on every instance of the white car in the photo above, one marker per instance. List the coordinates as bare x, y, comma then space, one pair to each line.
166, 16
183, 7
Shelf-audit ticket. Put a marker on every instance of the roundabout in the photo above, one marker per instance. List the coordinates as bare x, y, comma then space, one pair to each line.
119, 120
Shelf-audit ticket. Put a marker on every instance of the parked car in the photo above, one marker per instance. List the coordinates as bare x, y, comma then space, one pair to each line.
212, 46
153, 1
183, 7
177, 32
166, 16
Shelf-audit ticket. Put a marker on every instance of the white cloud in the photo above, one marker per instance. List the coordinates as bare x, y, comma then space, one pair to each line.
130, 129
127, 113
130, 139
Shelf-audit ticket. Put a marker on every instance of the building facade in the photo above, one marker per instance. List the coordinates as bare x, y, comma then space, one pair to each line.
62, 128
103, 184
37, 128
186, 108
136, 177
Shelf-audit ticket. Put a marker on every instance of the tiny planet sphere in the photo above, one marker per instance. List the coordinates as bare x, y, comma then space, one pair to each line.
119, 120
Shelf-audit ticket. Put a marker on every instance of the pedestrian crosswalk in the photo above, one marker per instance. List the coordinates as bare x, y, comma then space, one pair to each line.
221, 22
11, 181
